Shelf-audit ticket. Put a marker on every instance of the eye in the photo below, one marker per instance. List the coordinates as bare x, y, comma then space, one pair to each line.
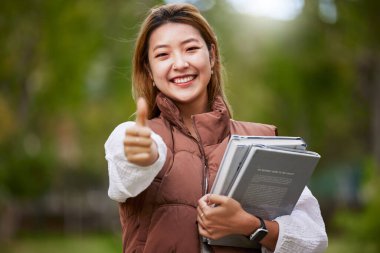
194, 48
160, 55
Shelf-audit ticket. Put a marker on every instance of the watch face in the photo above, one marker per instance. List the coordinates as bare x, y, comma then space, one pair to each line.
258, 235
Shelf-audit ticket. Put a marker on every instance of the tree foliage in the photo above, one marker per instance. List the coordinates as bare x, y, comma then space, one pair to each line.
65, 83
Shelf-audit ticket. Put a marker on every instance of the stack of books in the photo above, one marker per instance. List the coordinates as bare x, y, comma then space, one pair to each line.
266, 175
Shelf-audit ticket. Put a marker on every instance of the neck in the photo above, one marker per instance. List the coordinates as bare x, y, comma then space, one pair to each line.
189, 109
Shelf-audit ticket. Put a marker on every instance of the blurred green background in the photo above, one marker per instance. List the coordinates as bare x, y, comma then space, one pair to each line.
312, 68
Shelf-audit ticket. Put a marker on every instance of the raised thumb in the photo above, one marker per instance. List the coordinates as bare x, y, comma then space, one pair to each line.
141, 112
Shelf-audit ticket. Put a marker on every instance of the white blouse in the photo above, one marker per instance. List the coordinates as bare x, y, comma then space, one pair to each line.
301, 231
126, 179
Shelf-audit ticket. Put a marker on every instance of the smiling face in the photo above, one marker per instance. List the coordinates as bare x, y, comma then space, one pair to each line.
180, 64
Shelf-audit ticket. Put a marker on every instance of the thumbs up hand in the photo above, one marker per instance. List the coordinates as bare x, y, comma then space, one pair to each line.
139, 147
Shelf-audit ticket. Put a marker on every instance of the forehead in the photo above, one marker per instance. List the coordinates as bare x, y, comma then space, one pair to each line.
171, 33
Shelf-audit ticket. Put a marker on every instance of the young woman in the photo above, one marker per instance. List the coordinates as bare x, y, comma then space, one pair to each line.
162, 166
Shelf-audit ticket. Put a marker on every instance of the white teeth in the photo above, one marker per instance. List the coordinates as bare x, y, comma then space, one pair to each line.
183, 79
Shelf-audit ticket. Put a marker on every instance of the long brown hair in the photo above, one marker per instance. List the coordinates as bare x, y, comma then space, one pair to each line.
157, 16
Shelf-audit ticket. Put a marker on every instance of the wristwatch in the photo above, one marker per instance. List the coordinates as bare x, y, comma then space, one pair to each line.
259, 233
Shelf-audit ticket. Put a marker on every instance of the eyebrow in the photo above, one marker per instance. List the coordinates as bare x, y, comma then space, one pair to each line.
183, 42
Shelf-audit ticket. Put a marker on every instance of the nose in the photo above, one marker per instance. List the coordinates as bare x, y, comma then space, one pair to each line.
180, 62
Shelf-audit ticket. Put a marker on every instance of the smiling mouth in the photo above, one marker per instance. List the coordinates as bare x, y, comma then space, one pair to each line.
185, 79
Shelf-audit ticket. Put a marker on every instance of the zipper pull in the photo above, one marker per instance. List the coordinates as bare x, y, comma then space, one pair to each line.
206, 178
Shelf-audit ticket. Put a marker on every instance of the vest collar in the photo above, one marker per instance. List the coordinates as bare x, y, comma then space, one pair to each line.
212, 126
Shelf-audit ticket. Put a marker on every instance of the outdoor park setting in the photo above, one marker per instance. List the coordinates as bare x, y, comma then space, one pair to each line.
311, 68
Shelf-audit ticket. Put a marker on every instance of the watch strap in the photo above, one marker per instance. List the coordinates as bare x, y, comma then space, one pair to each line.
259, 233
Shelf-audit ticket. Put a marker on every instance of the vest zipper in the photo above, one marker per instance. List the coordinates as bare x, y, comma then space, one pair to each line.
204, 159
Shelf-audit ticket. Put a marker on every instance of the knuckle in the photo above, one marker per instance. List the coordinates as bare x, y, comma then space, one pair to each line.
149, 142
131, 155
127, 141
204, 233
213, 237
130, 158
146, 131
130, 130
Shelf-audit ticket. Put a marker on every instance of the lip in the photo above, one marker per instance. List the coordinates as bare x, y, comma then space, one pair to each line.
182, 84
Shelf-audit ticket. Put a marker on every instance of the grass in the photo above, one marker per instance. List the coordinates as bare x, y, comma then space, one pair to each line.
109, 243
340, 245
63, 244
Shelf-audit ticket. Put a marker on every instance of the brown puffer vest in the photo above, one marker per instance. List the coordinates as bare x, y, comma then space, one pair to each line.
163, 217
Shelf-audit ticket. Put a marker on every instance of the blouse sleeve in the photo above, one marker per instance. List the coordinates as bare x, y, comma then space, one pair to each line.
127, 179
303, 230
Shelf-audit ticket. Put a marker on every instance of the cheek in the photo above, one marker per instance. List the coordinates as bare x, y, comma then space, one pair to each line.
159, 70
205, 66
203, 62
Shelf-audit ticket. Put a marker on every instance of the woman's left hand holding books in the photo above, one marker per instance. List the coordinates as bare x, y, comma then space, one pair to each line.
219, 216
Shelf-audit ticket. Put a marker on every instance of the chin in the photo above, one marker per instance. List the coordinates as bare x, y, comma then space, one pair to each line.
183, 98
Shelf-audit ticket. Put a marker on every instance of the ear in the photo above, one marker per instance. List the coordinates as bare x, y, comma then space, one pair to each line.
212, 55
